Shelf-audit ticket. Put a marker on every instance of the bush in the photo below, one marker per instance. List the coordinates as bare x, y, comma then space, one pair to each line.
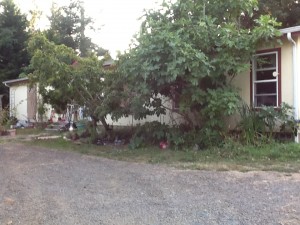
4, 116
150, 133
178, 137
6, 121
259, 125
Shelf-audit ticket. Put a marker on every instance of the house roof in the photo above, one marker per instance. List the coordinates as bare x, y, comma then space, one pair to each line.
290, 30
9, 82
108, 62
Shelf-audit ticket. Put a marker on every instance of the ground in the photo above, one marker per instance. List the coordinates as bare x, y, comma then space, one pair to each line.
47, 186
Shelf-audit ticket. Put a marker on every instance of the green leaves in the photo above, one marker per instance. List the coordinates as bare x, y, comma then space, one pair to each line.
189, 51
52, 70
13, 38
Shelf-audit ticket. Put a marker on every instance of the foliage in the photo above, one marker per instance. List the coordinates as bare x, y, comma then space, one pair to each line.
4, 116
285, 11
90, 83
13, 38
150, 133
221, 103
41, 110
177, 137
68, 25
189, 51
63, 77
231, 156
259, 125
51, 65
6, 120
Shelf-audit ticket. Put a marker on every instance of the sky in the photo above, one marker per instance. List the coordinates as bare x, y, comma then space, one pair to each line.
117, 19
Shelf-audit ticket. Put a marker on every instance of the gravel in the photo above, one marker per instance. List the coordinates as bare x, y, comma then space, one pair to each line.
43, 186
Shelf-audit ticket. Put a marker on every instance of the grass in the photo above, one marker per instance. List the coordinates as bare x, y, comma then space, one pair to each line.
30, 131
284, 157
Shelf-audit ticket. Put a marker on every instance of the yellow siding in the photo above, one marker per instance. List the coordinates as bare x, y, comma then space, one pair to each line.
242, 81
287, 72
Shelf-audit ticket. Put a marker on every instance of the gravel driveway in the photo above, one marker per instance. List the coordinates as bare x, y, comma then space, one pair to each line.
42, 186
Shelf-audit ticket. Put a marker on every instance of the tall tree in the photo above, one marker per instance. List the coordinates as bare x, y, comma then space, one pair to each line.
13, 38
189, 51
63, 77
51, 67
68, 25
285, 11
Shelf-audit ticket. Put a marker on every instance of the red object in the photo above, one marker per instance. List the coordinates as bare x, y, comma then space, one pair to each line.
163, 145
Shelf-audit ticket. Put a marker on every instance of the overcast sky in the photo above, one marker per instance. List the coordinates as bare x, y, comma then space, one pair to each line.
118, 19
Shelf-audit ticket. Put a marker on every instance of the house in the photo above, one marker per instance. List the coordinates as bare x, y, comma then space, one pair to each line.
23, 99
273, 78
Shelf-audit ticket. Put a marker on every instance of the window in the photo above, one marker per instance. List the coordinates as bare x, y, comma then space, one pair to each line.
266, 79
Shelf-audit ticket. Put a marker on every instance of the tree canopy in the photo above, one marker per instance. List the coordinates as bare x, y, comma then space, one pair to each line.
52, 65
286, 11
13, 40
189, 51
68, 25
63, 77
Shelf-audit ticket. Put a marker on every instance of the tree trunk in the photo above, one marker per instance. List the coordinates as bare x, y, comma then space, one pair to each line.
105, 125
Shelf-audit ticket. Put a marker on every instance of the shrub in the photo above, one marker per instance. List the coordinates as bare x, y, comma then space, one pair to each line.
150, 133
259, 125
4, 116
178, 137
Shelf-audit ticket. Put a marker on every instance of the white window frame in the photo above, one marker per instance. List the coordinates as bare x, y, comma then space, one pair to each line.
255, 81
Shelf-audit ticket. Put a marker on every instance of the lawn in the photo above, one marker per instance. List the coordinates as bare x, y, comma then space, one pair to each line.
282, 157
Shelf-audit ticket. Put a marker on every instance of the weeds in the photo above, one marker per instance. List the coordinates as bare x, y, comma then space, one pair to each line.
233, 156
257, 126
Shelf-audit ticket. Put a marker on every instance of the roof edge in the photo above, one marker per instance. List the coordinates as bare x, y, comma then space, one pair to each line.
290, 30
15, 80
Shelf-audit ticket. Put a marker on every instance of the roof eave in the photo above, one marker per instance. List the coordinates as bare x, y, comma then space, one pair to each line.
295, 29
8, 82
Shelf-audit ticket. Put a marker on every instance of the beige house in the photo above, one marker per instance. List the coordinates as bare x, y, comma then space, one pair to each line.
24, 103
273, 77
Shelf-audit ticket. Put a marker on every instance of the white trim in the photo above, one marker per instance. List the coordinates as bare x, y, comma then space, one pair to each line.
255, 81
6, 83
290, 30
265, 81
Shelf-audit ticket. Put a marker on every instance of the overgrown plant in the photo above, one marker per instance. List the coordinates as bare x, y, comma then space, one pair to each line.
6, 120
189, 52
150, 133
4, 116
259, 124
177, 137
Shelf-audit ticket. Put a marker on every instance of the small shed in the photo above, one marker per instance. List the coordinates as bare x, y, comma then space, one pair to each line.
22, 99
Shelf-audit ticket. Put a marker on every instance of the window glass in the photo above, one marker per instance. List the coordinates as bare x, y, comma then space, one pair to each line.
266, 61
265, 75
266, 88
264, 83
269, 100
